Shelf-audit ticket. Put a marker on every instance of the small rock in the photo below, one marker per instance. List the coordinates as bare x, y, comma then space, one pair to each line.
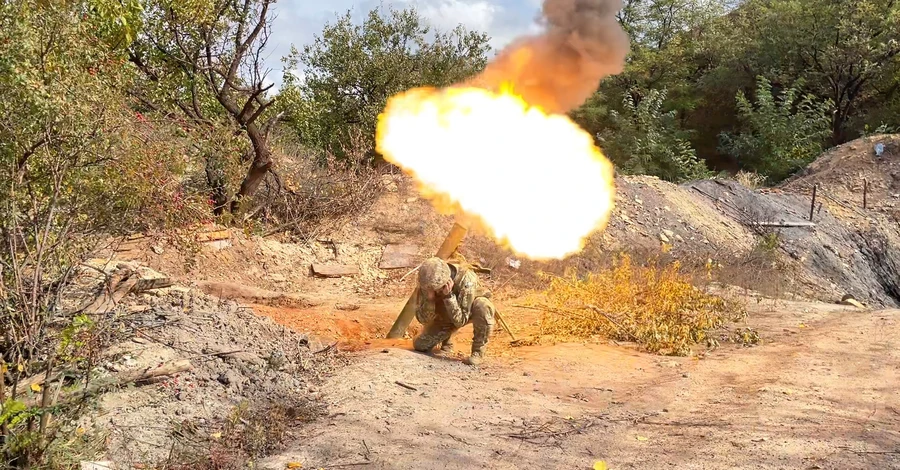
685, 375
411, 199
678, 237
139, 340
664, 238
669, 233
223, 379
385, 351
157, 249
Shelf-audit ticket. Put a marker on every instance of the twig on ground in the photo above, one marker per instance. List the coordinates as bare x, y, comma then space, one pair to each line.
409, 387
402, 278
327, 348
615, 323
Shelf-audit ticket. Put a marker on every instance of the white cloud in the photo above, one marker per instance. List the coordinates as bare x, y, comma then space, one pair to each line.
447, 14
298, 21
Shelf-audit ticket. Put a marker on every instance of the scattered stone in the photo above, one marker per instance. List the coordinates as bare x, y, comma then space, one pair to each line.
334, 270
669, 233
156, 249
664, 238
399, 256
149, 279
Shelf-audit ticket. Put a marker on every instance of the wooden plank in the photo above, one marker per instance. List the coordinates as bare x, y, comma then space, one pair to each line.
213, 236
334, 270
399, 256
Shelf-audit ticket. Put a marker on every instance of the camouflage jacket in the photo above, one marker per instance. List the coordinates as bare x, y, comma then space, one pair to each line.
455, 307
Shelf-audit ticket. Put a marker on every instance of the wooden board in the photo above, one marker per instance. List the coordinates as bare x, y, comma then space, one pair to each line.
213, 236
334, 270
399, 256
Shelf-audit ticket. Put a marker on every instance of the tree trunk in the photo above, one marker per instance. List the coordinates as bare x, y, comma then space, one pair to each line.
837, 128
262, 163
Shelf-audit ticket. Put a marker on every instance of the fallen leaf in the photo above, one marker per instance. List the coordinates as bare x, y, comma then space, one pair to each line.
216, 435
35, 388
3, 368
802, 326
20, 367
643, 438
294, 465
600, 465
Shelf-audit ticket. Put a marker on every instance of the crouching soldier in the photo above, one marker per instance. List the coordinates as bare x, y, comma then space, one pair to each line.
450, 296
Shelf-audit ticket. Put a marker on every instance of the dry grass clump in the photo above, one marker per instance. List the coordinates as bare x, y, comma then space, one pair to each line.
750, 179
656, 307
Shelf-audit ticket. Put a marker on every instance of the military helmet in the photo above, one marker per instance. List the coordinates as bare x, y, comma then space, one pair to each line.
434, 273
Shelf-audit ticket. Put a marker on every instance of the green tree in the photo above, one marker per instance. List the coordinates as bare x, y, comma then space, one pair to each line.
201, 63
842, 50
350, 71
778, 134
669, 50
645, 139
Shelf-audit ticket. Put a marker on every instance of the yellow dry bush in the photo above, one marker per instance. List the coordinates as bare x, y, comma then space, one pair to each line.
656, 307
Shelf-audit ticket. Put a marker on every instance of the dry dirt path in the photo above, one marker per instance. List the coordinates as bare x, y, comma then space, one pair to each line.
822, 392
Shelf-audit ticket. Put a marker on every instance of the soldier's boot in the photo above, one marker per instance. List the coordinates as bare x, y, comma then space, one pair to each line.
482, 318
446, 348
476, 358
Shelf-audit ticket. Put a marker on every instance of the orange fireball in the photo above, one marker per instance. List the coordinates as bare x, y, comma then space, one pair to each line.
534, 181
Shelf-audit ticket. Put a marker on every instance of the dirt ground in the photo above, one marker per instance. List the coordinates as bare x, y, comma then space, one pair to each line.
822, 390
820, 393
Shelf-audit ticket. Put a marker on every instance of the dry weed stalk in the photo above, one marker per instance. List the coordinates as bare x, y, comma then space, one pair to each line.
308, 197
656, 307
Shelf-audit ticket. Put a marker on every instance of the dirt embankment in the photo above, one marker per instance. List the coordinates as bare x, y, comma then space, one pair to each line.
391, 400
847, 251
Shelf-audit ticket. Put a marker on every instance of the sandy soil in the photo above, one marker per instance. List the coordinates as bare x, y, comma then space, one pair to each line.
823, 392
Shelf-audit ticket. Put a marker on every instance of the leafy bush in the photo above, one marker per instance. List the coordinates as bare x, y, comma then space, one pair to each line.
77, 164
656, 307
309, 195
779, 134
645, 139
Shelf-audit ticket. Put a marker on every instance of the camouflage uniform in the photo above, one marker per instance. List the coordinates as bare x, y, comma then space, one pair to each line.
468, 301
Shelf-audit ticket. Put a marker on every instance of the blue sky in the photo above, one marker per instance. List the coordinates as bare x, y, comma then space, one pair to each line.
299, 21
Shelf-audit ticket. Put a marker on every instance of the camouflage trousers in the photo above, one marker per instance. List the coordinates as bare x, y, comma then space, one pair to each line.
440, 331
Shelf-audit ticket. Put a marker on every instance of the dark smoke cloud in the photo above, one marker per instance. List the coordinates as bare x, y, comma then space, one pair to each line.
559, 69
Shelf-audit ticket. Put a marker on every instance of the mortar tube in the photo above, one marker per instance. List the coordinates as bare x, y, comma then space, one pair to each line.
450, 244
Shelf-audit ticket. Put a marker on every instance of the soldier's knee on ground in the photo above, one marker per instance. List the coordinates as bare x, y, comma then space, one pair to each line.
425, 343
